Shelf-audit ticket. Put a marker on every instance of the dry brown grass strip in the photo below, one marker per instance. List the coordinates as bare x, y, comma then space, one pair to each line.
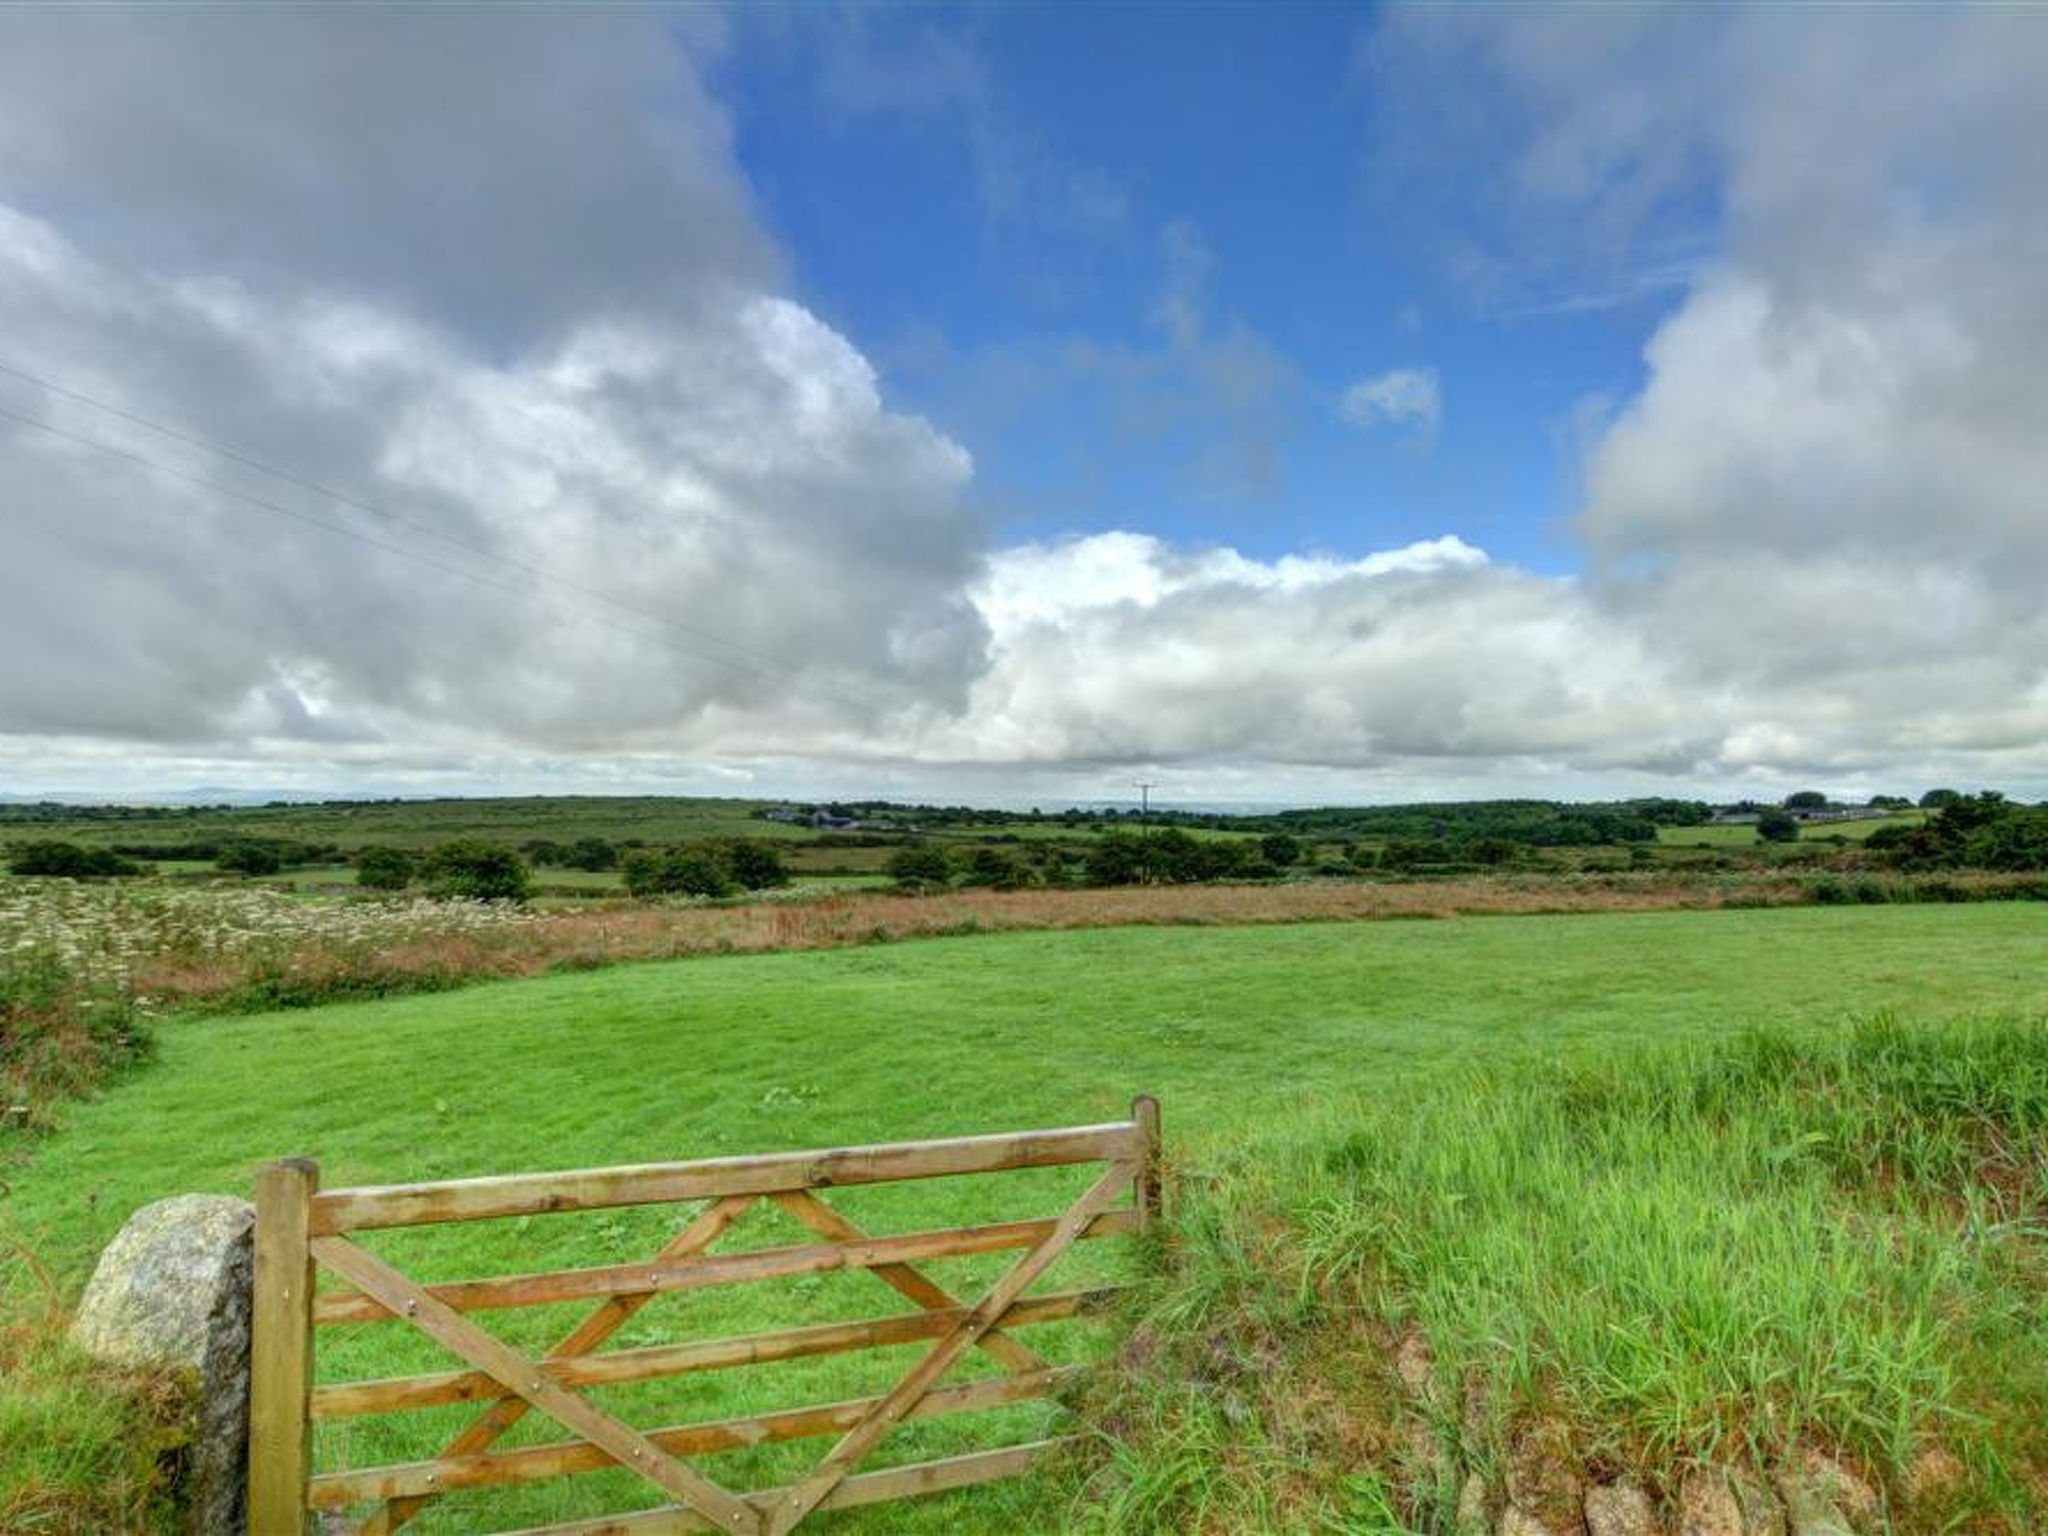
618, 931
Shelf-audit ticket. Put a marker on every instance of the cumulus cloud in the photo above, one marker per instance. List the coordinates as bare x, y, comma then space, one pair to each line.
1119, 647
1400, 397
1823, 508
504, 173
635, 495
654, 530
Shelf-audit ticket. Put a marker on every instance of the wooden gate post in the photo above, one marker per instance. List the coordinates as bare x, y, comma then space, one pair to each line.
281, 1350
1150, 1191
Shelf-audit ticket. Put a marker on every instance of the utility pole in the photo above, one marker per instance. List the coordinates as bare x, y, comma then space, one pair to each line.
1145, 802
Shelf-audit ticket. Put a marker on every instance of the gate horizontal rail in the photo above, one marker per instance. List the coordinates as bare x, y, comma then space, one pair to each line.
302, 1229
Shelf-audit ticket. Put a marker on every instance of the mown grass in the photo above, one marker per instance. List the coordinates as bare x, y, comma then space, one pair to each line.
1233, 1027
1722, 1254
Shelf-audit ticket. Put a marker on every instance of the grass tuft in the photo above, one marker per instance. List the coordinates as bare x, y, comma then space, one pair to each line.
84, 1449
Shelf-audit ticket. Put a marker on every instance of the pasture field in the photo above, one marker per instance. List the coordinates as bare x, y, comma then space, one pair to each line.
1741, 835
424, 823
1238, 1030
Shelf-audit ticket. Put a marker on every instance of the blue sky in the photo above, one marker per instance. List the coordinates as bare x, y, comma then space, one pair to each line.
1276, 403
974, 193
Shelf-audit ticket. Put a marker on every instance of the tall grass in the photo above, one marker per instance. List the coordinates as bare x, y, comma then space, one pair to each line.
61, 1034
84, 1448
1709, 1256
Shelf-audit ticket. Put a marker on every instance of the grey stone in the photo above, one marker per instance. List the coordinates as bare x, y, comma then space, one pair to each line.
1712, 1502
171, 1293
1809, 1508
1821, 1475
1620, 1509
1475, 1501
1544, 1481
1761, 1513
1707, 1506
1415, 1365
1517, 1521
1426, 1458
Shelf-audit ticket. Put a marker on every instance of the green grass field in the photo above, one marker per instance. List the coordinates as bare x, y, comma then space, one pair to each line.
1743, 836
1234, 1029
423, 823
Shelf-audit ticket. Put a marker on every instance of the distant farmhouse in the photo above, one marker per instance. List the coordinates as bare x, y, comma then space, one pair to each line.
819, 819
1733, 817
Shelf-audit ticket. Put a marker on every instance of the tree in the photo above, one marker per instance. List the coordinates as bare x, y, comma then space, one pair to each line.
384, 869
591, 853
1806, 800
1939, 799
994, 867
1776, 826
54, 857
920, 867
675, 872
248, 857
479, 870
694, 872
1280, 848
757, 866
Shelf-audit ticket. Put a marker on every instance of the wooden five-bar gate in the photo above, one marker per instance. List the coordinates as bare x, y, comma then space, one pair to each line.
302, 1229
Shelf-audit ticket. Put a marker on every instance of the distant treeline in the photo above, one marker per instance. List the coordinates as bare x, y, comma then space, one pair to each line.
1533, 823
51, 810
1530, 823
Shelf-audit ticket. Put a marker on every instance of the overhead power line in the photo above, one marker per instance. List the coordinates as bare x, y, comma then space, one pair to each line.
742, 658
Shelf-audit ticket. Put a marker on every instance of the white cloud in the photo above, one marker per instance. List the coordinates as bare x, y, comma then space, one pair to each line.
644, 501
1400, 397
1119, 647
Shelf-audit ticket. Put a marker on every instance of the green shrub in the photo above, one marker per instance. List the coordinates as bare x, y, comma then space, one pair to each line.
757, 866
1280, 848
249, 857
1776, 826
384, 869
478, 870
591, 853
920, 868
650, 872
53, 857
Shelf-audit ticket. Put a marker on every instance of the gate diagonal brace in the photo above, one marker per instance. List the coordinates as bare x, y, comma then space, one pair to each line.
605, 1320
840, 1461
523, 1377
1016, 1356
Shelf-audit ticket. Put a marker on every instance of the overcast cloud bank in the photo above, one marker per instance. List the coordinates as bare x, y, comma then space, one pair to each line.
499, 274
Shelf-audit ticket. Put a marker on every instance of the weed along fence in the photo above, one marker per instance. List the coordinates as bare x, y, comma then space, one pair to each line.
314, 1271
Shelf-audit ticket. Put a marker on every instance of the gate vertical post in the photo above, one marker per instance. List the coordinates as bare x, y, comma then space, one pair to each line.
1150, 1196
281, 1349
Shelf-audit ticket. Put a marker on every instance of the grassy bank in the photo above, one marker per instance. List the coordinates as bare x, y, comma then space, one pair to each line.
1748, 1256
